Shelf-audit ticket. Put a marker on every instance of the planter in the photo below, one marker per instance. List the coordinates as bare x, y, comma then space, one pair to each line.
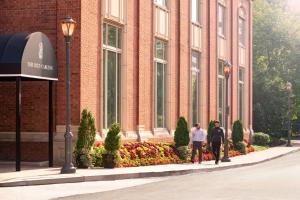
109, 161
83, 160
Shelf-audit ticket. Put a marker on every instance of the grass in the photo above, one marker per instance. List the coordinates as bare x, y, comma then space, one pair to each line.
260, 148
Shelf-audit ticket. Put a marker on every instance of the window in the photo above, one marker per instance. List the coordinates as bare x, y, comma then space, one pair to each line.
242, 31
160, 61
196, 11
221, 93
195, 70
163, 3
242, 26
241, 94
221, 20
111, 74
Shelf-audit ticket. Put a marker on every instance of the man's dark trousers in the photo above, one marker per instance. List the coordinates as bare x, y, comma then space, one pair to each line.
197, 146
216, 147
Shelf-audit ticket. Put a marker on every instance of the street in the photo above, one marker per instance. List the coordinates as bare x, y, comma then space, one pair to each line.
277, 179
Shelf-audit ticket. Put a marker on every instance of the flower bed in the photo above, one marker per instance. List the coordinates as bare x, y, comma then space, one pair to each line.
146, 153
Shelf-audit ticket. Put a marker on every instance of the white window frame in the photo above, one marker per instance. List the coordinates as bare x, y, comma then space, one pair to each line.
222, 5
164, 62
197, 71
106, 48
221, 77
198, 11
241, 83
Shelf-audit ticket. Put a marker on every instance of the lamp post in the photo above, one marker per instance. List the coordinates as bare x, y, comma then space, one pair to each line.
68, 27
289, 90
227, 71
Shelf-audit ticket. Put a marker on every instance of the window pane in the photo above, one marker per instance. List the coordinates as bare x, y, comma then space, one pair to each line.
221, 20
160, 50
119, 38
221, 99
112, 36
104, 90
220, 68
195, 107
242, 29
241, 102
195, 60
195, 11
111, 87
104, 34
161, 2
160, 95
119, 88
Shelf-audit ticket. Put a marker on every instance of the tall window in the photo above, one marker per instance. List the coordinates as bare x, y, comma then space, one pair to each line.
111, 74
163, 3
241, 96
196, 11
160, 61
221, 20
195, 86
242, 27
221, 93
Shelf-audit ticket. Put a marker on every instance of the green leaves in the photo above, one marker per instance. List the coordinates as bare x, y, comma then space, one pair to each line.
181, 137
276, 60
113, 139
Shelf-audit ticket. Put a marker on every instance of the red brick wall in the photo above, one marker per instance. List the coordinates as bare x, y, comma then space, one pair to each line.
31, 151
30, 16
26, 16
137, 62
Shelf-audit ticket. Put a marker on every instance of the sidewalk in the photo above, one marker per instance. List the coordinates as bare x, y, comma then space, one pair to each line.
52, 175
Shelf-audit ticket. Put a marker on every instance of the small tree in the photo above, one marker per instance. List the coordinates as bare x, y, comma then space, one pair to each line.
182, 137
86, 139
210, 129
112, 141
237, 132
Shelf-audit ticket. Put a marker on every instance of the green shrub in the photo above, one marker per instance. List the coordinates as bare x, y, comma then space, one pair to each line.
113, 139
210, 129
97, 156
85, 140
182, 137
241, 147
237, 133
261, 139
183, 152
275, 141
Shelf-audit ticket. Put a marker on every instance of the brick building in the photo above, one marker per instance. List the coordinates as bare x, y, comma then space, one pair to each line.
142, 63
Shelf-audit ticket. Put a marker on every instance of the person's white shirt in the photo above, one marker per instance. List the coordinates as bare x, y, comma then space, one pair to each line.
198, 135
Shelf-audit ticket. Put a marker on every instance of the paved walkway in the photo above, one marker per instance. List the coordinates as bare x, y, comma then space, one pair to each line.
44, 176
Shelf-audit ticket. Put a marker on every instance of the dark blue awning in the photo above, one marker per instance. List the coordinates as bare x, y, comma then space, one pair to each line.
27, 55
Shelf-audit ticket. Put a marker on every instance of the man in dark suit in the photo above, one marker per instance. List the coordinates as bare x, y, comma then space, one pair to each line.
217, 138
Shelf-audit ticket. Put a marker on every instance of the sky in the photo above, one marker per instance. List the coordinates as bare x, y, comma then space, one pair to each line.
294, 4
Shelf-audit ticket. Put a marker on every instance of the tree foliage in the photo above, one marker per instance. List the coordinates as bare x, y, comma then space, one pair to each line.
237, 133
181, 136
112, 141
210, 129
276, 60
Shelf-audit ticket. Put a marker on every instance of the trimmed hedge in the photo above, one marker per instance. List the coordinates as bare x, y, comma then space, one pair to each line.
237, 133
182, 137
261, 139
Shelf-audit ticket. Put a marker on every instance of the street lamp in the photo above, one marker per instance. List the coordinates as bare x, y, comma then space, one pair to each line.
289, 90
68, 27
227, 70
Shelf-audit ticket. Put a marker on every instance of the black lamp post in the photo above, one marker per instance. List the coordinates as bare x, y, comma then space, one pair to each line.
227, 71
68, 27
289, 90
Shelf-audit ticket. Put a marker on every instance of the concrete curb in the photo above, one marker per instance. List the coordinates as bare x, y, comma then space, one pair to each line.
112, 177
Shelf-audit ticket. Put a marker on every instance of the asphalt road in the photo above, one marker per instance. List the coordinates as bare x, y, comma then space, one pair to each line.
275, 180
